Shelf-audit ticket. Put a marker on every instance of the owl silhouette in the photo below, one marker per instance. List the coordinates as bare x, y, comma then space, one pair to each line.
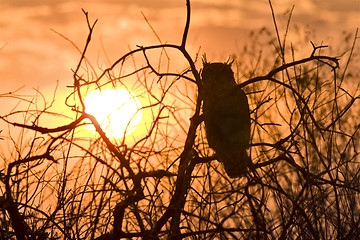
226, 117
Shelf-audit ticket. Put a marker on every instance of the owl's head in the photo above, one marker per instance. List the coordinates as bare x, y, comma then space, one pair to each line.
217, 76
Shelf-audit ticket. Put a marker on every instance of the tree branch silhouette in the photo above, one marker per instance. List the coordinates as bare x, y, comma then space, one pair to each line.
165, 183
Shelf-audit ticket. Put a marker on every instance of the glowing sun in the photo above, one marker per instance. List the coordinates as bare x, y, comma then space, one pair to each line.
116, 111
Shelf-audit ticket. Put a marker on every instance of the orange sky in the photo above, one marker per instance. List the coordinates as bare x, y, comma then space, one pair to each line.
35, 57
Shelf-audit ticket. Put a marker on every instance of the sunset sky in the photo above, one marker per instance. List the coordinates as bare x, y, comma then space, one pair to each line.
35, 57
95, 157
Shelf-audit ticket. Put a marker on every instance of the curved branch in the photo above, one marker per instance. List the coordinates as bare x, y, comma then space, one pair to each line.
186, 30
67, 127
283, 67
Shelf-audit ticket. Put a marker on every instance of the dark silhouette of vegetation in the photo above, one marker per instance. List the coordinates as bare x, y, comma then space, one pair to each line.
165, 182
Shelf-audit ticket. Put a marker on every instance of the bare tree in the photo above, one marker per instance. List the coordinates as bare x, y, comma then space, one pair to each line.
166, 183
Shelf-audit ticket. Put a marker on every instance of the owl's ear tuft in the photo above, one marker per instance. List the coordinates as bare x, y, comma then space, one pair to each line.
204, 61
229, 62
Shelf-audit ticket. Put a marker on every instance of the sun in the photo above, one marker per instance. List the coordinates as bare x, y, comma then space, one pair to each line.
116, 110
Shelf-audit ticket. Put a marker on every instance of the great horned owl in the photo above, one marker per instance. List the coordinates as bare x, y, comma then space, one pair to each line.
226, 117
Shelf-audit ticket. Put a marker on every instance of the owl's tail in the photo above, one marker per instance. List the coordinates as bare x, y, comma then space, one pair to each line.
236, 166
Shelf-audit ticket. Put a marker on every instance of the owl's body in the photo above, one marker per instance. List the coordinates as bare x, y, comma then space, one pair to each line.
226, 117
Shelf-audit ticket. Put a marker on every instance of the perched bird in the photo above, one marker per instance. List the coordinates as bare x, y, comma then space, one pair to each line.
226, 117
